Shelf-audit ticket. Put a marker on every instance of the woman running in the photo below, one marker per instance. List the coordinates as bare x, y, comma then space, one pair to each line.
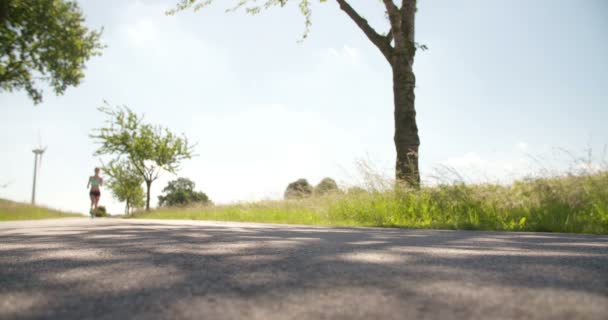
95, 182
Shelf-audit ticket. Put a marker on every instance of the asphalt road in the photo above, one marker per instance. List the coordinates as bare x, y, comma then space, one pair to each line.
134, 269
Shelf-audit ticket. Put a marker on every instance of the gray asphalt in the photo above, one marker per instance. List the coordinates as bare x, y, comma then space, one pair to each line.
134, 269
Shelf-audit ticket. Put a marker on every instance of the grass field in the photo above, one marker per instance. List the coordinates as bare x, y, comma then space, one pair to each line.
569, 203
10, 210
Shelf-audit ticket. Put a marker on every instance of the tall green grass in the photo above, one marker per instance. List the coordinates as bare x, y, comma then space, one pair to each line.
576, 203
10, 210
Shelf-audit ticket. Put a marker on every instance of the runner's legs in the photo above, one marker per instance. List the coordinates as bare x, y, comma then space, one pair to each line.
96, 199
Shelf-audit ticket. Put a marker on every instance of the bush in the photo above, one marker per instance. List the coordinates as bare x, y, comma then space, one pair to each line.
355, 191
298, 189
326, 186
101, 212
180, 193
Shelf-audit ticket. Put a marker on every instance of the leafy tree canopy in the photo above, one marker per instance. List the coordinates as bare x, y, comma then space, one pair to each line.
298, 189
149, 149
44, 41
125, 183
251, 7
326, 186
181, 192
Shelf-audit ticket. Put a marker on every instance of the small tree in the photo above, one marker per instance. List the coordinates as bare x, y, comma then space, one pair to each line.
44, 41
326, 186
181, 192
298, 189
125, 184
149, 149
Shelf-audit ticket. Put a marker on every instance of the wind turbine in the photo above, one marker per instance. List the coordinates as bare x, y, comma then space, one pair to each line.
5, 184
37, 158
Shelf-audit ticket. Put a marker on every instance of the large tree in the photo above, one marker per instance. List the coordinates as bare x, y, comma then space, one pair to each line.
397, 46
44, 41
150, 149
125, 183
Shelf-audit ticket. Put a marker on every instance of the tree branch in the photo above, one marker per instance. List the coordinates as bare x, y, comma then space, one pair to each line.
394, 16
389, 35
382, 42
391, 8
407, 12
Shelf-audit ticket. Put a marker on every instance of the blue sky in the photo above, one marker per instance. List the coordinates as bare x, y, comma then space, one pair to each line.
503, 82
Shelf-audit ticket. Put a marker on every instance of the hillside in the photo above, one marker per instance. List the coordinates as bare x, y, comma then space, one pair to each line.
10, 210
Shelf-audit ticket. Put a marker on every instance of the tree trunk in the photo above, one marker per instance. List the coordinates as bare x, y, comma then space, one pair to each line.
406, 137
148, 185
407, 141
401, 59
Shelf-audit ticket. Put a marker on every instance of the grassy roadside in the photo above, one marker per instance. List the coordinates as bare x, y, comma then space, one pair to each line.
10, 210
571, 203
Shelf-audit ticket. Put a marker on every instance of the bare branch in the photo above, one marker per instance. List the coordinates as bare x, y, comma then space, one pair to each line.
382, 42
394, 15
391, 8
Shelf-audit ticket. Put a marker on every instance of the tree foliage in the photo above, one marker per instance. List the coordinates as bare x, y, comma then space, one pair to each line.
44, 41
398, 47
150, 149
125, 183
181, 192
298, 189
326, 186
252, 7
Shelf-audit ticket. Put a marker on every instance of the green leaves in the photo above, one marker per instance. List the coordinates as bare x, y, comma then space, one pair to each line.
298, 189
326, 186
44, 41
149, 149
252, 7
125, 183
181, 192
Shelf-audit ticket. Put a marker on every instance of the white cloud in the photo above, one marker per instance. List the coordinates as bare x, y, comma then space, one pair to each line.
254, 153
522, 146
590, 167
474, 168
142, 33
345, 54
470, 159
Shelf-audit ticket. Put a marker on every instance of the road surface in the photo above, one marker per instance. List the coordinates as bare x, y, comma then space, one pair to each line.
151, 269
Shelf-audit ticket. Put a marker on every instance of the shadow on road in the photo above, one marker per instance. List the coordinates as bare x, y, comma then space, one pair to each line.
233, 271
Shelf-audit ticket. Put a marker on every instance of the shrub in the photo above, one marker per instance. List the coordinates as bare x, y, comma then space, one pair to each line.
101, 212
298, 189
326, 186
